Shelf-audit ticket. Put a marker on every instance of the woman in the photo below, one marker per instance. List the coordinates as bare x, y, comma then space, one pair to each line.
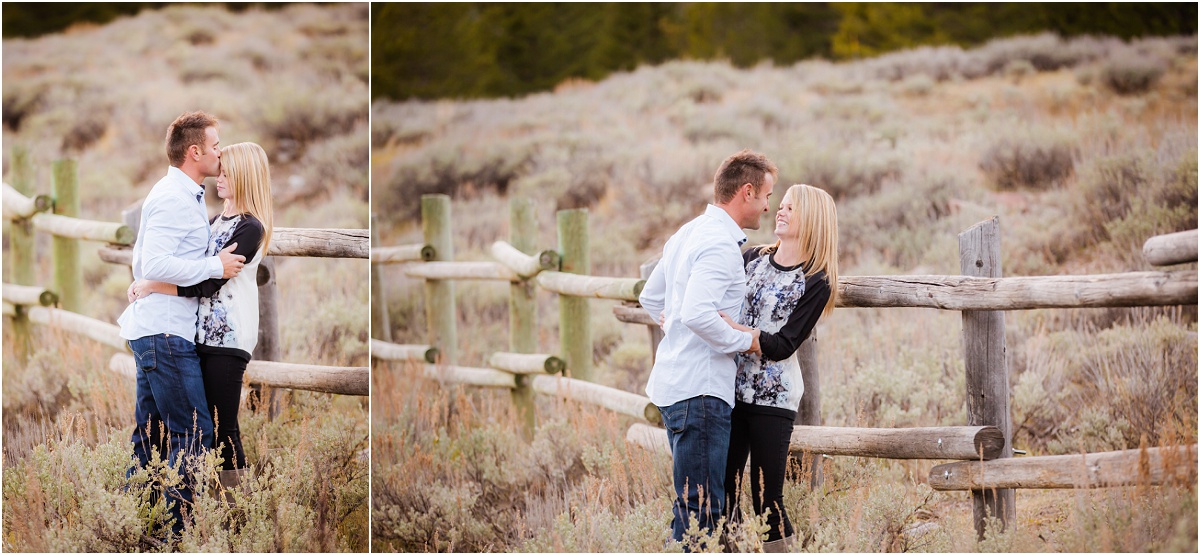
789, 286
228, 314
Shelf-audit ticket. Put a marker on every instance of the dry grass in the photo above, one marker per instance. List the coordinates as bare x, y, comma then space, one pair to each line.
914, 145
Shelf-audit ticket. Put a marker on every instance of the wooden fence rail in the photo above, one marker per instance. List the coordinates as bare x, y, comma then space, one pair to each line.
945, 442
1172, 248
28, 295
285, 241
384, 350
1011, 293
18, 206
402, 253
1152, 466
341, 380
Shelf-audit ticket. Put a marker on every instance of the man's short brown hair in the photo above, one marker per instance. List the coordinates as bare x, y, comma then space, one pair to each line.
745, 166
185, 131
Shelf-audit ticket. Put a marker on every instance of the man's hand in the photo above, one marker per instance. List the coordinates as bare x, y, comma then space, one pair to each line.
232, 263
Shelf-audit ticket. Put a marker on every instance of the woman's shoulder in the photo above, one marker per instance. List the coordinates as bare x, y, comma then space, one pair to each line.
754, 253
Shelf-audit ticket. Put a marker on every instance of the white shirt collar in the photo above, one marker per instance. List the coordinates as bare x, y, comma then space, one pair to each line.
730, 226
177, 174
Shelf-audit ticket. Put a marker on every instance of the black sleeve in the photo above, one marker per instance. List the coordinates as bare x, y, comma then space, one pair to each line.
248, 234
778, 346
750, 254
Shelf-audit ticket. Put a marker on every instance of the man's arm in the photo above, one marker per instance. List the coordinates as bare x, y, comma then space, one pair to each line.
653, 296
164, 230
712, 275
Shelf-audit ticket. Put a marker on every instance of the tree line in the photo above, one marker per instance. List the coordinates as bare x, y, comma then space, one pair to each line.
481, 49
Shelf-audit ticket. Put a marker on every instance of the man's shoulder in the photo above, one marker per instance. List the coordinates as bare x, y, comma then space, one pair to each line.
162, 190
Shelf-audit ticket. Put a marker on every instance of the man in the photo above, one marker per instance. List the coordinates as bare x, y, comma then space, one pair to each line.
692, 382
171, 243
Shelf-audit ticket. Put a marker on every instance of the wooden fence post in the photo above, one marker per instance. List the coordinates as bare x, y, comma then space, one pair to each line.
68, 281
21, 244
381, 327
810, 402
268, 346
574, 316
987, 372
522, 308
440, 313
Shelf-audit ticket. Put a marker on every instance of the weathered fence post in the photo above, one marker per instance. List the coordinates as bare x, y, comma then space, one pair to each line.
268, 347
522, 307
574, 316
21, 244
381, 327
987, 372
440, 312
810, 402
68, 281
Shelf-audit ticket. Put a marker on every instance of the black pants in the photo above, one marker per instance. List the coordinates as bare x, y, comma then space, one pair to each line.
764, 438
223, 387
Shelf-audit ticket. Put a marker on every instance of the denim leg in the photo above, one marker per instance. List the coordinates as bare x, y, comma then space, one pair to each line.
148, 430
170, 395
698, 430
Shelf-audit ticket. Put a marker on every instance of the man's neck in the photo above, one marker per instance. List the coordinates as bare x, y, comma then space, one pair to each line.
729, 209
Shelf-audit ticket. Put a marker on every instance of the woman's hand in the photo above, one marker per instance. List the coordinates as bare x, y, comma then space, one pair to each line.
733, 324
143, 287
138, 289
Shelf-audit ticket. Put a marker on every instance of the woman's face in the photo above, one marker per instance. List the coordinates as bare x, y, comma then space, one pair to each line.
785, 223
224, 191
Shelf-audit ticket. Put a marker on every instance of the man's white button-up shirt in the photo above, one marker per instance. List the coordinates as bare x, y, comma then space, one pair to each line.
700, 273
171, 243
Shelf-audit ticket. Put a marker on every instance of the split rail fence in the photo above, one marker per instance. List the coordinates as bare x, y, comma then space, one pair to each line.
59, 307
983, 446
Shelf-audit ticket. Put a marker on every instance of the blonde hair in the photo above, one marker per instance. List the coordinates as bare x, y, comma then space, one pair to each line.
814, 211
249, 177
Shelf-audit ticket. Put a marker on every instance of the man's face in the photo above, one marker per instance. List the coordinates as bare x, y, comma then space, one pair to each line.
210, 153
758, 203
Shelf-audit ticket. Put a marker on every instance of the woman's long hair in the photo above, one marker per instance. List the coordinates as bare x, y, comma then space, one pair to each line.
815, 214
249, 176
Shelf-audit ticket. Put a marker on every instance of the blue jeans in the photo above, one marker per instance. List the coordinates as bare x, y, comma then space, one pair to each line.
170, 407
698, 429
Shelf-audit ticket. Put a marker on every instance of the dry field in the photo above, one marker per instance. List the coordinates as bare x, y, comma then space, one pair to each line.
292, 79
1084, 148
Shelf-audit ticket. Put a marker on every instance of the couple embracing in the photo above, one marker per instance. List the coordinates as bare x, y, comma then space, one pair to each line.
725, 377
192, 322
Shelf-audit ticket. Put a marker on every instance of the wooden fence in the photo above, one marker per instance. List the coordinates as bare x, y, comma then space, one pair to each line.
26, 304
984, 444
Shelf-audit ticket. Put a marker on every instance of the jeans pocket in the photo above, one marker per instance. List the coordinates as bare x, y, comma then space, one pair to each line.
675, 417
146, 359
